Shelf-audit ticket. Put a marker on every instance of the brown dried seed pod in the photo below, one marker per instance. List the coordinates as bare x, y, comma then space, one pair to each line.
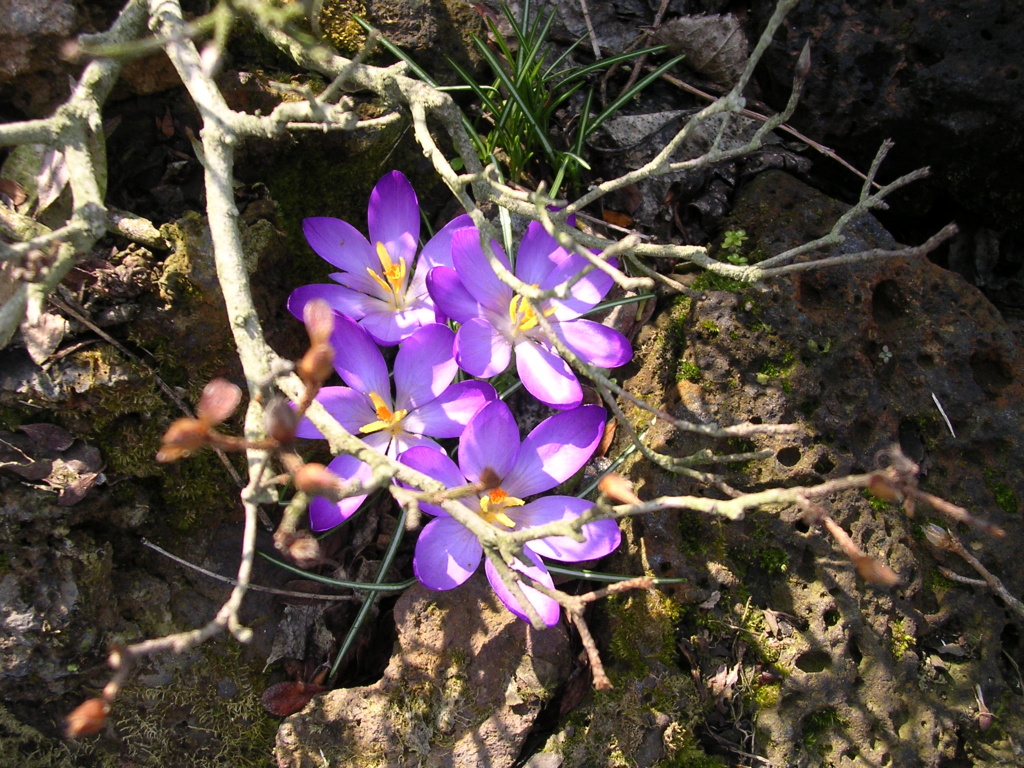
87, 719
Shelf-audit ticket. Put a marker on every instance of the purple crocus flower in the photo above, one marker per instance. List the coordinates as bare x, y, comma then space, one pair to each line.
490, 453
379, 287
495, 320
426, 404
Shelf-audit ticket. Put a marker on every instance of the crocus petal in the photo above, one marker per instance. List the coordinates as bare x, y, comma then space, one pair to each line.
406, 441
437, 252
602, 536
424, 366
324, 513
361, 282
555, 450
491, 439
339, 243
343, 300
446, 554
352, 410
481, 350
475, 270
435, 464
545, 375
547, 609
358, 361
450, 295
393, 218
585, 294
448, 414
595, 343
539, 253
389, 327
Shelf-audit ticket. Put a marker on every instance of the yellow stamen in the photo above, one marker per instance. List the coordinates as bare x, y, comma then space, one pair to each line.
494, 504
391, 277
385, 418
522, 315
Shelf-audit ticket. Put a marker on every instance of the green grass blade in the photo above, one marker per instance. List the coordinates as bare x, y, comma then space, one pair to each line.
638, 86
518, 98
619, 58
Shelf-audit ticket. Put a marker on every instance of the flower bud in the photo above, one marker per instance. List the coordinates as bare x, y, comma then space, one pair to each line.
319, 319
618, 488
875, 572
182, 438
317, 480
316, 365
880, 486
281, 421
219, 400
87, 719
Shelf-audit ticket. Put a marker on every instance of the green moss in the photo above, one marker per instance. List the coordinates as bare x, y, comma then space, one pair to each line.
211, 711
1003, 493
766, 696
643, 628
773, 559
877, 504
688, 371
339, 28
900, 640
817, 725
709, 329
709, 281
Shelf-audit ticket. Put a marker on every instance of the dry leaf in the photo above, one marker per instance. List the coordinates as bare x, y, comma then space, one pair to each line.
714, 45
43, 336
13, 191
286, 699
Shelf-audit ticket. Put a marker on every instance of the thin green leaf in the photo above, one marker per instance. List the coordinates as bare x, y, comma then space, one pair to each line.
583, 573
400, 586
578, 72
520, 101
638, 86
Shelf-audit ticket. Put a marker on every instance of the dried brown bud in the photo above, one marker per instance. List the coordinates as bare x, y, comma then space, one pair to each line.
281, 421
874, 572
182, 438
88, 719
301, 547
316, 365
286, 699
317, 480
219, 400
618, 488
938, 536
803, 63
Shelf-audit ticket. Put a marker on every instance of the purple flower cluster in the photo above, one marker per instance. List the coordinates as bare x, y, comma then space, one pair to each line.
387, 294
